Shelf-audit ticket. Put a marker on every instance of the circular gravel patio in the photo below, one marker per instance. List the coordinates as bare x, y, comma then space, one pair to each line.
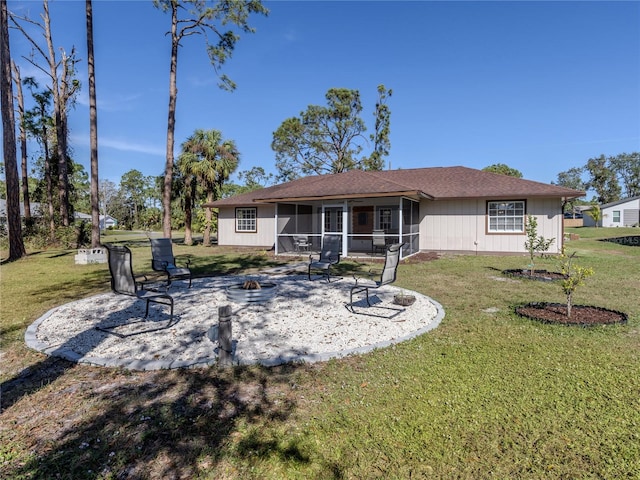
306, 321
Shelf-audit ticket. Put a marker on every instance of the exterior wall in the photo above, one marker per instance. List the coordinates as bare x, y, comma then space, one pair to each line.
263, 237
628, 214
460, 226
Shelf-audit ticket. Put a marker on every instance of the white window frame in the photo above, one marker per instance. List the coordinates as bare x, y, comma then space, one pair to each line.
246, 219
385, 218
616, 216
506, 216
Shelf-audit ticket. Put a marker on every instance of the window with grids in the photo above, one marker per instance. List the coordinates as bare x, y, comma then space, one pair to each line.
246, 219
506, 217
616, 216
384, 219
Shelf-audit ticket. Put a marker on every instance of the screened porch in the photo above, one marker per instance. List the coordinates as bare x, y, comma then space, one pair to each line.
365, 226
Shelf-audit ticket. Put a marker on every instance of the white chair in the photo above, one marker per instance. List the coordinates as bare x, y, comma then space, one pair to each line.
378, 242
301, 243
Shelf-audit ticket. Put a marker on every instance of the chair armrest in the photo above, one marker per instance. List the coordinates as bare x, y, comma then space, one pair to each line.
184, 259
366, 275
159, 264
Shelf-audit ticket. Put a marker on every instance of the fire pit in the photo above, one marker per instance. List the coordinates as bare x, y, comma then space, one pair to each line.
251, 291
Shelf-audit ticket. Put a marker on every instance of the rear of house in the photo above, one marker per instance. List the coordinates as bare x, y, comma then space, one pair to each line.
444, 209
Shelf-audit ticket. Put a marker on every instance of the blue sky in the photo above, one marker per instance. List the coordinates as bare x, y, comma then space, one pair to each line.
539, 86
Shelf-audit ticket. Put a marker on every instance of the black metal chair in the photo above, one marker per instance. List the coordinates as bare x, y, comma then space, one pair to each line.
124, 282
163, 260
385, 276
329, 256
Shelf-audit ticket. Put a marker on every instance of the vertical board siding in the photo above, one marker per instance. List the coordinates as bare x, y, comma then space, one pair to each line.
460, 225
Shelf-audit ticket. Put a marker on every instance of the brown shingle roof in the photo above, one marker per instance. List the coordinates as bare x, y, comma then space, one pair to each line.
436, 183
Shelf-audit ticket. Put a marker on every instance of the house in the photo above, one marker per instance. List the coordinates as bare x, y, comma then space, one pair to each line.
106, 221
623, 213
444, 209
35, 209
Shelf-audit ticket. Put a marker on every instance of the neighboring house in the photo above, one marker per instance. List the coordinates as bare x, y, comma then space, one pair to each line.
623, 213
446, 209
35, 207
106, 221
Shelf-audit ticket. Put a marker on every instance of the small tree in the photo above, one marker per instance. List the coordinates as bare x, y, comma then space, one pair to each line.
535, 243
595, 213
574, 277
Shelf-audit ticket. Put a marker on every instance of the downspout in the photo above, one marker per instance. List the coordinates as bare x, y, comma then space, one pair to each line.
400, 229
275, 230
561, 242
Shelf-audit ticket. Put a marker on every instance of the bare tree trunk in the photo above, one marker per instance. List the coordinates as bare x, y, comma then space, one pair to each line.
206, 237
14, 225
93, 134
189, 188
23, 145
63, 187
49, 182
171, 125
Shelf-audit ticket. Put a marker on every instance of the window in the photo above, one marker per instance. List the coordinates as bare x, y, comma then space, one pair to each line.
616, 216
384, 219
506, 216
246, 220
333, 219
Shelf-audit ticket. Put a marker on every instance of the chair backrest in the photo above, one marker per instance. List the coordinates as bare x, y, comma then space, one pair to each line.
331, 248
378, 238
161, 253
301, 240
122, 279
391, 261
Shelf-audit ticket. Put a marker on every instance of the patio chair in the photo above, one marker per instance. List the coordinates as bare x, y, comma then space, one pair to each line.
163, 260
301, 243
385, 276
329, 256
378, 242
124, 282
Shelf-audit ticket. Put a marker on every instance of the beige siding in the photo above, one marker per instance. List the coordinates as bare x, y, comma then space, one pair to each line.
263, 237
460, 226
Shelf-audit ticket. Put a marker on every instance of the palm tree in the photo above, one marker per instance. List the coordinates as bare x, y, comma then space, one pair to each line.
212, 160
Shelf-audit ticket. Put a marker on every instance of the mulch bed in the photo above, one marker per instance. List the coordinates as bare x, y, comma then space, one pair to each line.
581, 315
541, 275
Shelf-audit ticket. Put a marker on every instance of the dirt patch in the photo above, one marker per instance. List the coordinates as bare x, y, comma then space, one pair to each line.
422, 257
582, 315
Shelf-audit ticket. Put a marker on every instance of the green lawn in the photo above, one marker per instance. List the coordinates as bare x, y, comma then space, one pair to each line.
486, 395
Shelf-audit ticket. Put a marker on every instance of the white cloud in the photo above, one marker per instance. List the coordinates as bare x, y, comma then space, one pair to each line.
122, 145
117, 103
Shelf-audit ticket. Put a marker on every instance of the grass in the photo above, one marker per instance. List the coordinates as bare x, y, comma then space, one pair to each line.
486, 395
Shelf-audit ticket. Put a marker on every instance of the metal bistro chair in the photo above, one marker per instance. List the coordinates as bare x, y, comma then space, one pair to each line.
386, 276
124, 282
329, 256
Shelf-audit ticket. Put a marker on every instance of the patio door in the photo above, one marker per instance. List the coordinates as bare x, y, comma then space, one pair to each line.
334, 222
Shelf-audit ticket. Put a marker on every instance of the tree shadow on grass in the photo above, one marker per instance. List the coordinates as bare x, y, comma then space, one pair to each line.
163, 424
